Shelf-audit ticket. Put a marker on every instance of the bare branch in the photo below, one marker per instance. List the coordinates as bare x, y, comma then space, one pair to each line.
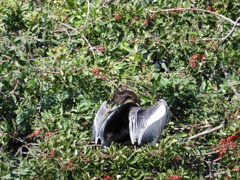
204, 132
208, 153
196, 9
229, 80
88, 11
207, 11
89, 45
70, 27
190, 127
9, 58
15, 87
175, 117
223, 38
112, 64
212, 176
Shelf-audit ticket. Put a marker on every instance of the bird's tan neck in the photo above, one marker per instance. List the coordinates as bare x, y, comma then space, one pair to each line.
129, 100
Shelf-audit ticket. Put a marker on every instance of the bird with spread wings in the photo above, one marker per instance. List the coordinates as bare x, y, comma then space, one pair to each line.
129, 122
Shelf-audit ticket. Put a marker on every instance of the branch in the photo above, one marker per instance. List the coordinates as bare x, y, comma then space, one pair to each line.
15, 87
229, 80
189, 127
88, 11
212, 176
70, 27
208, 153
9, 58
175, 117
112, 64
204, 132
196, 9
89, 45
223, 38
207, 11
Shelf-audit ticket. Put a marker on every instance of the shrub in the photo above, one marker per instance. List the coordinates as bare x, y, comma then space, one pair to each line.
61, 59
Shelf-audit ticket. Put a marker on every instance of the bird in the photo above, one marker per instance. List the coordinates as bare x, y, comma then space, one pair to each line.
161, 65
129, 122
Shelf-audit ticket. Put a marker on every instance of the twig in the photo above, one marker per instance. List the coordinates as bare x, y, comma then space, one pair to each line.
4, 61
190, 127
70, 27
175, 117
24, 145
89, 45
87, 11
223, 38
19, 150
126, 57
15, 87
215, 174
63, 3
208, 153
9, 58
207, 11
204, 132
196, 9
229, 80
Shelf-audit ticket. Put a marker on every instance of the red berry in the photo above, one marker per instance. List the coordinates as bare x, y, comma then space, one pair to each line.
51, 153
195, 126
35, 133
192, 40
145, 22
209, 8
107, 177
49, 133
202, 57
117, 17
95, 71
103, 78
194, 57
174, 177
192, 63
151, 18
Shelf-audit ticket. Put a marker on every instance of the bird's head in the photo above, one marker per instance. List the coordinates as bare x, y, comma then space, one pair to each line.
124, 97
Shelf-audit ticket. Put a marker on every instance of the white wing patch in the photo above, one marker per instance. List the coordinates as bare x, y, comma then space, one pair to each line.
133, 124
146, 125
100, 122
161, 111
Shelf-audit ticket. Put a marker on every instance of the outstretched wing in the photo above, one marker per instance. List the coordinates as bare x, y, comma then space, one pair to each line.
147, 124
134, 128
99, 121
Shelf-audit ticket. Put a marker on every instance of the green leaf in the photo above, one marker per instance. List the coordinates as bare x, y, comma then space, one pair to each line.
16, 74
233, 83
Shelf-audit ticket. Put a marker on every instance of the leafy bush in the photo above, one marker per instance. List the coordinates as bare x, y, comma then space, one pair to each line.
61, 59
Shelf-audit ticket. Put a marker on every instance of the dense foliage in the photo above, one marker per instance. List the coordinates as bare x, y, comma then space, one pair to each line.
61, 59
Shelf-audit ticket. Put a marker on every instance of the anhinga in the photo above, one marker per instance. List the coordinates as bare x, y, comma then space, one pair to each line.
129, 122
